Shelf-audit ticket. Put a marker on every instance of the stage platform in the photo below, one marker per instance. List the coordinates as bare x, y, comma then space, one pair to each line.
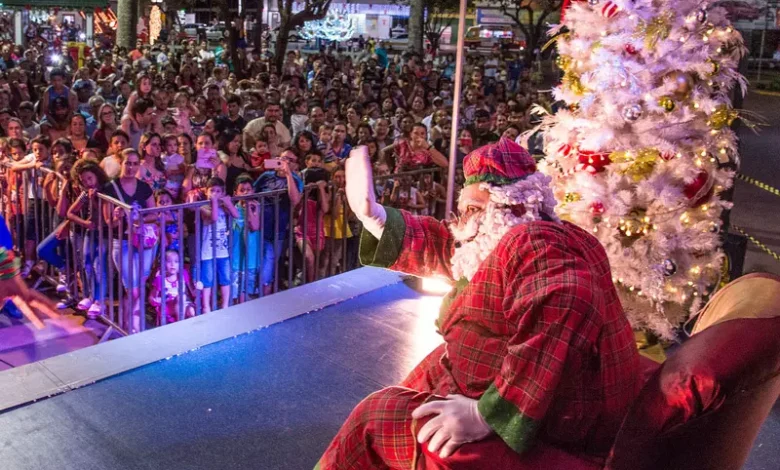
269, 399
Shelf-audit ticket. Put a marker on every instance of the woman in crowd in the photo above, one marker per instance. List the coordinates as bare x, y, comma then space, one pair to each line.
78, 132
107, 124
152, 170
132, 192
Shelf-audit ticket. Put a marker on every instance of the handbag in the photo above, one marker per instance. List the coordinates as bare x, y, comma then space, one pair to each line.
143, 236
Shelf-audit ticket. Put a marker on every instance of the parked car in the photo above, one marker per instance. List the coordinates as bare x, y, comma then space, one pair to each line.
399, 32
494, 36
217, 32
194, 30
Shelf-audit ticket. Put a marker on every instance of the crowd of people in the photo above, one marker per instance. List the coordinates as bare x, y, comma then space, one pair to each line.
156, 127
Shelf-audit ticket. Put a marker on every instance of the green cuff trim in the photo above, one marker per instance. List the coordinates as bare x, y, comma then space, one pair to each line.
516, 429
490, 178
384, 252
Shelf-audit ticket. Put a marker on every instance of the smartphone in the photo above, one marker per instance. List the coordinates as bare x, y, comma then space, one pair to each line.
272, 164
389, 184
205, 158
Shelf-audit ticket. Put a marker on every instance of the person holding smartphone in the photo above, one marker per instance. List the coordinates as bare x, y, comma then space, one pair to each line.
281, 177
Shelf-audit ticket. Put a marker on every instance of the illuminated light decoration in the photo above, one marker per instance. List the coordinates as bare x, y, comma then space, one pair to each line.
336, 26
435, 286
155, 24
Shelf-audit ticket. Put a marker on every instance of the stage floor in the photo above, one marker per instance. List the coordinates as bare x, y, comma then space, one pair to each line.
269, 399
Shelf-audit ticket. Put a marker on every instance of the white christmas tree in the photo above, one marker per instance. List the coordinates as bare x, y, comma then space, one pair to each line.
637, 158
336, 26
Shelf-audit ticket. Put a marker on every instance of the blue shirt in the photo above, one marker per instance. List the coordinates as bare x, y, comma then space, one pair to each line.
270, 181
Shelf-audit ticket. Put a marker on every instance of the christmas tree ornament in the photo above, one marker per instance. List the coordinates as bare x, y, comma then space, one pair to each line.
683, 84
571, 197
722, 117
572, 81
669, 267
701, 16
597, 208
609, 10
592, 162
667, 103
593, 3
699, 190
632, 112
637, 164
655, 30
563, 62
565, 150
715, 67
630, 49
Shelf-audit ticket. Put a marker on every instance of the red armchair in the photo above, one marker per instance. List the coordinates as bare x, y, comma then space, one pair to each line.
701, 409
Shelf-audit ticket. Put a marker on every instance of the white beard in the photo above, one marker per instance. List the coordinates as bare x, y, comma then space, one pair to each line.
480, 235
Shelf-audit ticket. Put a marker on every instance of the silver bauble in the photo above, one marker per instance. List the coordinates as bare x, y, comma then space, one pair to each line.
593, 3
669, 267
632, 112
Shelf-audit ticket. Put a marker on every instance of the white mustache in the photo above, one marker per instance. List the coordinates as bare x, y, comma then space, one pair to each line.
466, 229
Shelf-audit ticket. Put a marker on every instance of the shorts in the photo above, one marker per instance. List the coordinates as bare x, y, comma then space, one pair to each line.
238, 282
207, 272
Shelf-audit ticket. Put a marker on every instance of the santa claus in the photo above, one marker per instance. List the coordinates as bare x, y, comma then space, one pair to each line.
536, 346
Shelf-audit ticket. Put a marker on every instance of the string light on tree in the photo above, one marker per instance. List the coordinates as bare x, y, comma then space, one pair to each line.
635, 159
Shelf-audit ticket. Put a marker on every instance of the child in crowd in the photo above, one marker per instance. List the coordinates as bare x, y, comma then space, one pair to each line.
174, 166
336, 227
309, 233
163, 198
214, 252
175, 282
405, 195
112, 164
246, 241
182, 112
261, 153
433, 194
84, 215
323, 146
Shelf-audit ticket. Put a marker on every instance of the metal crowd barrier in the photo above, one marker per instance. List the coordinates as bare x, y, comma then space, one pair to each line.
125, 299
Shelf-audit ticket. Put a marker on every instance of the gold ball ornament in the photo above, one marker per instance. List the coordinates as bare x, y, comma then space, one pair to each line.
571, 197
683, 84
715, 66
667, 103
723, 116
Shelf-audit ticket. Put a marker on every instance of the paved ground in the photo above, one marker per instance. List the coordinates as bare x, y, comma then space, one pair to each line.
756, 210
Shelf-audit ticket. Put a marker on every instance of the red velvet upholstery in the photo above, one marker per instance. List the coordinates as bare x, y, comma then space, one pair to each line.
704, 407
493, 453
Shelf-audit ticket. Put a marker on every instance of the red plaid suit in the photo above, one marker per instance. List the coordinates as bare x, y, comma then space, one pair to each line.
538, 337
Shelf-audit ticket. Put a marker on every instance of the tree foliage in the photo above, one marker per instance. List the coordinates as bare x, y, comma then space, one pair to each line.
289, 21
441, 14
531, 17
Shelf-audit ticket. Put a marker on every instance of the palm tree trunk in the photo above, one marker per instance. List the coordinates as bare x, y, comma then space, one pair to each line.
416, 20
127, 17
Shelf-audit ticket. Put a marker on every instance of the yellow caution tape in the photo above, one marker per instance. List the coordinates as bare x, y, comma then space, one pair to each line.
758, 243
758, 184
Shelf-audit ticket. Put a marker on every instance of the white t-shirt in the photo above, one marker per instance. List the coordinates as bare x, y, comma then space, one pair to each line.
491, 66
206, 247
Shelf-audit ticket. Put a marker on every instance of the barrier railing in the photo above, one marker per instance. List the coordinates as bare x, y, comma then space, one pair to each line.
123, 262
